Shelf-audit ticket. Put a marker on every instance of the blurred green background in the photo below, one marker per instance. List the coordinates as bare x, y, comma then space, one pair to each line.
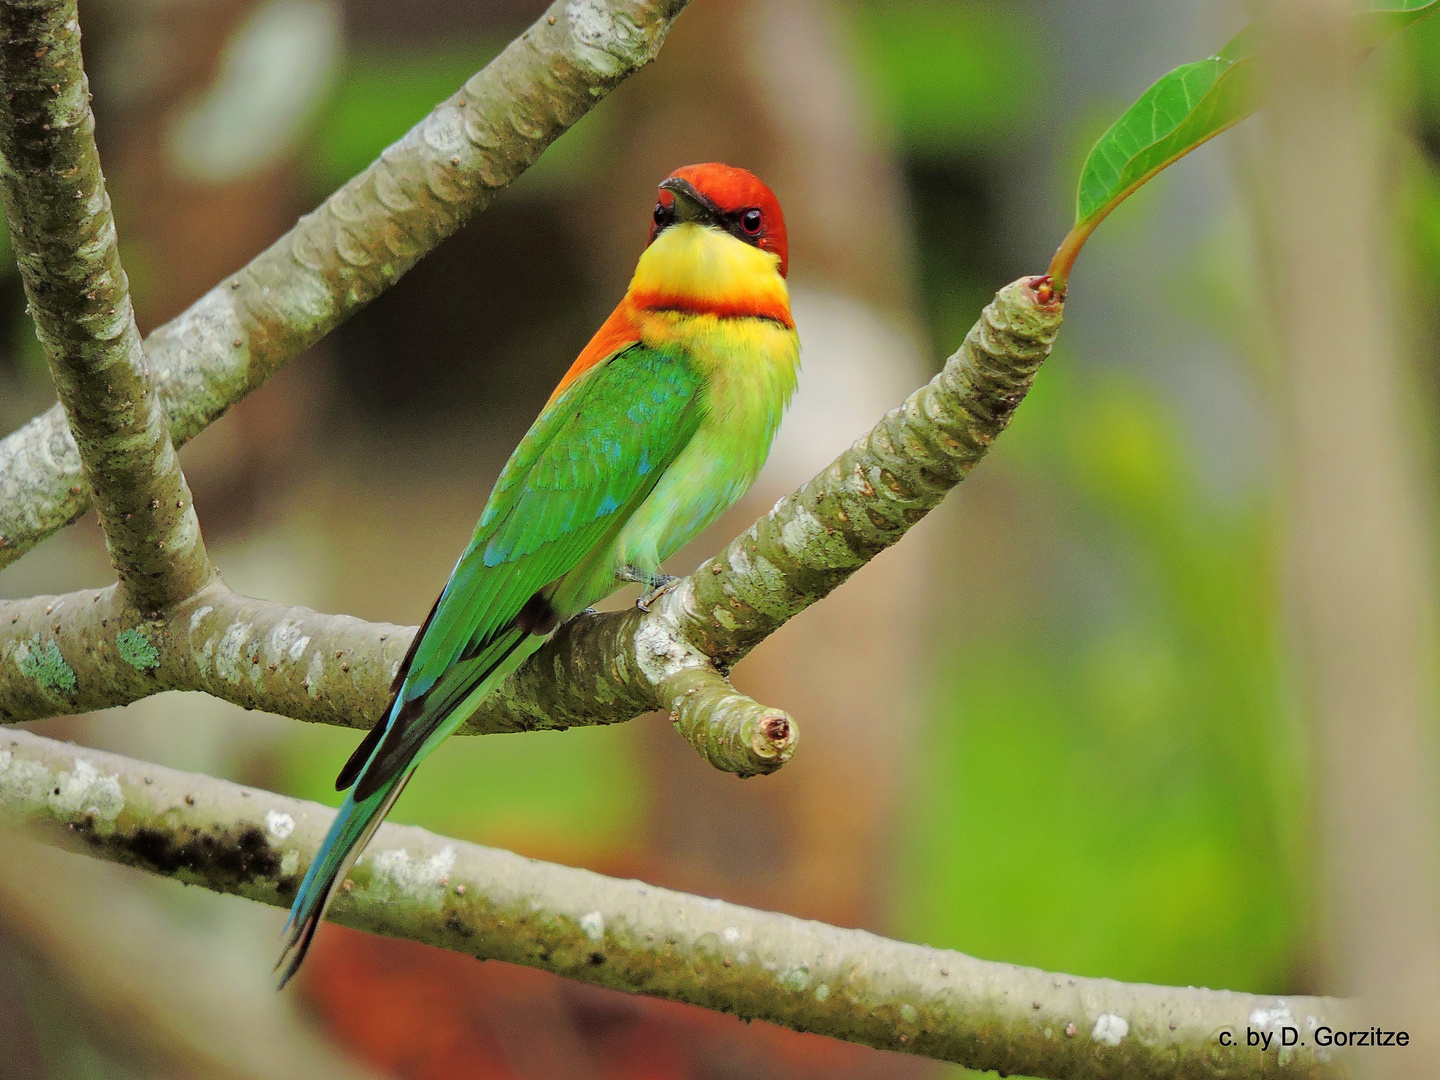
1094, 762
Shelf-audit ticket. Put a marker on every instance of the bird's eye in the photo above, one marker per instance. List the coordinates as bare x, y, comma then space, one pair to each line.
662, 214
751, 222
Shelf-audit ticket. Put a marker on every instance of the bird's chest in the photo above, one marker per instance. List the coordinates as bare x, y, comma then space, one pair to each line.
748, 365
749, 368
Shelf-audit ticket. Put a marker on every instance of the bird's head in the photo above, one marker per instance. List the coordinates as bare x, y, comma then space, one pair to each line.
723, 197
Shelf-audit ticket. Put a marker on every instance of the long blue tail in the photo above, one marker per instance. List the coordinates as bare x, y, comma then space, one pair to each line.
410, 731
349, 833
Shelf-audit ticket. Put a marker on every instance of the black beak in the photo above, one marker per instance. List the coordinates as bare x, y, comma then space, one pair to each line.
692, 206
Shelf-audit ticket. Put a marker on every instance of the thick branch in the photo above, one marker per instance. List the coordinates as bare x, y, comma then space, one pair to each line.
64, 239
81, 652
806, 975
90, 650
355, 245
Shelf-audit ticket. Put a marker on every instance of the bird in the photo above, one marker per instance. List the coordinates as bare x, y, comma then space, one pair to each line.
660, 424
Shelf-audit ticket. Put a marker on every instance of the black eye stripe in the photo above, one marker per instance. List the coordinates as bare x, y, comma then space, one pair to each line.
746, 224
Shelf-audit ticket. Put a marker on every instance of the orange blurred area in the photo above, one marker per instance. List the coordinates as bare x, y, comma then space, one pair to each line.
421, 1013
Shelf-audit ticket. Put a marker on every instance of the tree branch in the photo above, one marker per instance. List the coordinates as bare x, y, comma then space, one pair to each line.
624, 934
81, 652
64, 239
355, 245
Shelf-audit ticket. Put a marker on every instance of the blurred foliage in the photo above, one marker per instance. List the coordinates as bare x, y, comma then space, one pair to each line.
1418, 208
950, 76
44, 1032
559, 794
957, 254
959, 87
1113, 781
1421, 47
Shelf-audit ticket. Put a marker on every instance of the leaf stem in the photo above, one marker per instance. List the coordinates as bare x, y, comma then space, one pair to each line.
1065, 255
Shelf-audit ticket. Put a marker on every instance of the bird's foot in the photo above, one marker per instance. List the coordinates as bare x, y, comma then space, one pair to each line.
637, 576
660, 584
656, 585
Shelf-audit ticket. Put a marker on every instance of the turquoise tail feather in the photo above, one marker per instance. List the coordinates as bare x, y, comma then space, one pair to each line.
356, 821
354, 825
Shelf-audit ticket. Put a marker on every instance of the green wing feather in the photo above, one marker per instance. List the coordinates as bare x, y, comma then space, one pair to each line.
584, 467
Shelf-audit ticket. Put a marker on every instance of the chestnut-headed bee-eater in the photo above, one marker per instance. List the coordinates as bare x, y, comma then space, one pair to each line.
661, 424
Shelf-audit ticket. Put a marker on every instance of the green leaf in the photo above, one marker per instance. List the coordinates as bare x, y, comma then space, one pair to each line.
1381, 18
1195, 103
1191, 104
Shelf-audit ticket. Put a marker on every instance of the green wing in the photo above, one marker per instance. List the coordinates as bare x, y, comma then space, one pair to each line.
584, 467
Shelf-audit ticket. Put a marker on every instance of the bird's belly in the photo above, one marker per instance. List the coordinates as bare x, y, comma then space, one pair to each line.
706, 478
700, 485
750, 367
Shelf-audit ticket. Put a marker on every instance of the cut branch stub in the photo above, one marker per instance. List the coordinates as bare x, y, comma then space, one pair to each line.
731, 731
355, 245
63, 234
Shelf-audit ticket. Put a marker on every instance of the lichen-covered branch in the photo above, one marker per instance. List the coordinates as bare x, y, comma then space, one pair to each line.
355, 245
631, 936
90, 650
63, 234
80, 652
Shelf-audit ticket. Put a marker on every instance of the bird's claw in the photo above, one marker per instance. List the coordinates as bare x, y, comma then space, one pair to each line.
659, 585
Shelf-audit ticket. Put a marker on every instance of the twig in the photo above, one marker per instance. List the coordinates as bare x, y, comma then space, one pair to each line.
355, 245
624, 934
64, 239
